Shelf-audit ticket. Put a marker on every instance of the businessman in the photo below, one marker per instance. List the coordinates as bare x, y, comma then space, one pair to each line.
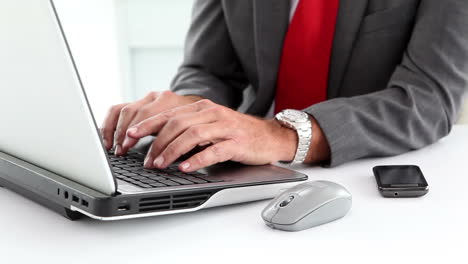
360, 78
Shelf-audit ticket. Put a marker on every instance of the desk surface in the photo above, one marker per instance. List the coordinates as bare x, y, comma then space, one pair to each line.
379, 230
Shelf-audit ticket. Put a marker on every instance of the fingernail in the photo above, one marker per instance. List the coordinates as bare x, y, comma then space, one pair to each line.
159, 161
148, 162
126, 142
118, 150
132, 131
184, 165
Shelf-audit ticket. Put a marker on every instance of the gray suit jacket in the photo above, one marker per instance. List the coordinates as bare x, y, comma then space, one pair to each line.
398, 70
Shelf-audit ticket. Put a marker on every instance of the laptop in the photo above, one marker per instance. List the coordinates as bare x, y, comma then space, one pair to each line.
51, 150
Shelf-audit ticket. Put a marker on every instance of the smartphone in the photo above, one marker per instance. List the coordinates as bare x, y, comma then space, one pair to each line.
400, 181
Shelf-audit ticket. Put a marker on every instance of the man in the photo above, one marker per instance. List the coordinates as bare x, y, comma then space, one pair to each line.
375, 78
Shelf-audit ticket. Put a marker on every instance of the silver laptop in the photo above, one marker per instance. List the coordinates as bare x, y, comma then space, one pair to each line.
51, 150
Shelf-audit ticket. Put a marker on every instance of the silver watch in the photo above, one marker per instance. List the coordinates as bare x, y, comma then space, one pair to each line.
300, 122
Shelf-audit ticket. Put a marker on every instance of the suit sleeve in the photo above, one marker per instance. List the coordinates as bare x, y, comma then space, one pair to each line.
210, 68
422, 100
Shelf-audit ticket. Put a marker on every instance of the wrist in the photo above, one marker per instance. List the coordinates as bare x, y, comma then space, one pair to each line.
285, 141
319, 150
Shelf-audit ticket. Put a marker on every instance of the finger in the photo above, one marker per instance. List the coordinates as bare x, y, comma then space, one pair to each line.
155, 124
188, 140
178, 125
109, 125
217, 153
127, 114
151, 110
142, 114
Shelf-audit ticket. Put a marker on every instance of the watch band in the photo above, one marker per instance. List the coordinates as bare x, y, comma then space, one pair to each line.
300, 122
304, 133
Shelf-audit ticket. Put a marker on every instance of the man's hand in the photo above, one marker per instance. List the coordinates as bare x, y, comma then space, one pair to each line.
121, 117
230, 135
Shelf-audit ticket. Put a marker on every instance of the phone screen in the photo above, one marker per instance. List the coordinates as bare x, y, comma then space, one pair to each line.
400, 176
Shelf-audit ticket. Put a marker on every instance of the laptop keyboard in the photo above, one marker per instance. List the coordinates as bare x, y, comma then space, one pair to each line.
129, 168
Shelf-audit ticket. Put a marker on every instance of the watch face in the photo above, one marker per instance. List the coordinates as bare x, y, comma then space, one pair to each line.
295, 115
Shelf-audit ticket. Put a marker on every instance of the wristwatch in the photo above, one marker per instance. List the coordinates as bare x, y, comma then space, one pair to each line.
300, 122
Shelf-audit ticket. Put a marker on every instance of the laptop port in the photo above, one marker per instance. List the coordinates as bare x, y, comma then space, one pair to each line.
75, 199
84, 203
65, 195
123, 208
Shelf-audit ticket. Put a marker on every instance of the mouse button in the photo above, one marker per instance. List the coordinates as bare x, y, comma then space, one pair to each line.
269, 212
343, 193
286, 217
285, 198
311, 190
293, 212
287, 201
328, 212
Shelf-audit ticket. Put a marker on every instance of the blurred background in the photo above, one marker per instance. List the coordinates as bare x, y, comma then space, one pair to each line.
125, 48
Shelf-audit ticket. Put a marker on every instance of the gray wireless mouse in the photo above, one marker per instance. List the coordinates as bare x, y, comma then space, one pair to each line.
307, 205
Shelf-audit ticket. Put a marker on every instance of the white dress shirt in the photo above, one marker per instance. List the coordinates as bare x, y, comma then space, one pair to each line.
293, 9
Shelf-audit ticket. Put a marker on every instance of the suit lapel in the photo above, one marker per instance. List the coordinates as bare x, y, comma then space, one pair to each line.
271, 20
350, 15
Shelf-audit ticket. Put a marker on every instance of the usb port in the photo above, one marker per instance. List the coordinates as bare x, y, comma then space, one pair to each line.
75, 199
123, 208
84, 203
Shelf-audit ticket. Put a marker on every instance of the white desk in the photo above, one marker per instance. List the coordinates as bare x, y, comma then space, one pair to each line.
377, 230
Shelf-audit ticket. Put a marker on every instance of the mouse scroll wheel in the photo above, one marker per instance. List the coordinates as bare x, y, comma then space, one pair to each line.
287, 201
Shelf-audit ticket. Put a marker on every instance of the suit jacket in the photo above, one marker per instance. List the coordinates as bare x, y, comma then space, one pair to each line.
398, 70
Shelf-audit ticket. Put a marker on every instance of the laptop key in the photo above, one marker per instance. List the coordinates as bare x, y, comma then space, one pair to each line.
197, 174
134, 169
138, 178
148, 181
157, 184
180, 174
180, 180
134, 182
147, 174
156, 178
195, 179
129, 174
169, 183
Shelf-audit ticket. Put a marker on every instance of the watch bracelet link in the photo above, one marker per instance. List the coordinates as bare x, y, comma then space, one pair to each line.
304, 138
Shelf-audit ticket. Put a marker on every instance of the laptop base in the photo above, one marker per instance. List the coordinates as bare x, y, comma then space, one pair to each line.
72, 200
65, 212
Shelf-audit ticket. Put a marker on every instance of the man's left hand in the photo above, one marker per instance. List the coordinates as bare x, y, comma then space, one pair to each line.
229, 135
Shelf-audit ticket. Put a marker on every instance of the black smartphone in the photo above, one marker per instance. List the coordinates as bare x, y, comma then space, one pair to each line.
400, 181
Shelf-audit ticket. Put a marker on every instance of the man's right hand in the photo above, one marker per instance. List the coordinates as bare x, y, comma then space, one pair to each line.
122, 116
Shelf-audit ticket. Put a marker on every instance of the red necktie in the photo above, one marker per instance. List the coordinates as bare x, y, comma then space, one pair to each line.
303, 72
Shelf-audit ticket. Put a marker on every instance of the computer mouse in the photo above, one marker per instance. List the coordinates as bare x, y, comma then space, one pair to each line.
307, 205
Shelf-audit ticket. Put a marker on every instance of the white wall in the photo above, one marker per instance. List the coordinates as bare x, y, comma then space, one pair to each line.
151, 38
90, 27
125, 48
